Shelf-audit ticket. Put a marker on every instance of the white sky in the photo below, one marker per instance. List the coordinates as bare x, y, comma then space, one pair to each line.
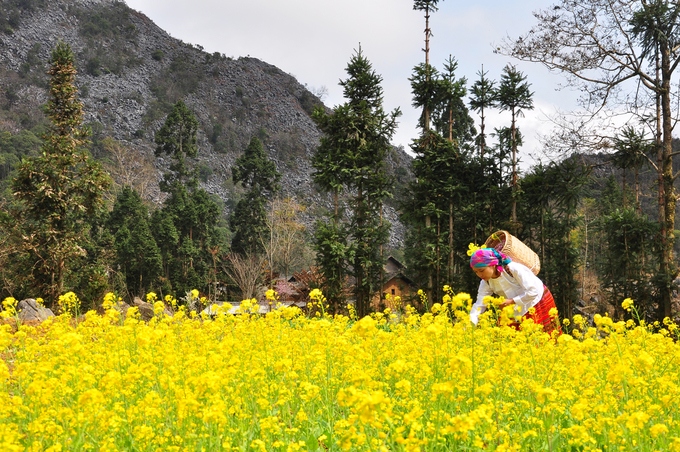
313, 40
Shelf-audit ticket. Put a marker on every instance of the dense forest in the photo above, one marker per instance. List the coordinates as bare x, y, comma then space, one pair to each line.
603, 224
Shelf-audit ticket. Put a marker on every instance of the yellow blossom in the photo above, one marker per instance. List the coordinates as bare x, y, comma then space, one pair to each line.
415, 382
472, 248
69, 303
627, 304
9, 306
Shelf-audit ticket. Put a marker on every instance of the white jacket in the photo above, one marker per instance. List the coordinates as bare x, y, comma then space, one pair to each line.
523, 287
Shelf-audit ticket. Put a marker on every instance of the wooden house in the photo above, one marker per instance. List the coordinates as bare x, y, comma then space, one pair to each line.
397, 289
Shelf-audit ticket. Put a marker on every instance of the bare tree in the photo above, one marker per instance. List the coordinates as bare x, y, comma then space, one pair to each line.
285, 246
246, 270
620, 54
128, 167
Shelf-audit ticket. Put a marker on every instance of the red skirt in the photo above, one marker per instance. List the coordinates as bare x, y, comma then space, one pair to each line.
541, 314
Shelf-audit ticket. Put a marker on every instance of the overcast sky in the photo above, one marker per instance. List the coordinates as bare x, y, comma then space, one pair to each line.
313, 40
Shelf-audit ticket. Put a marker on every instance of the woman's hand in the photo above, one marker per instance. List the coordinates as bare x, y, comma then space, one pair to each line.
506, 303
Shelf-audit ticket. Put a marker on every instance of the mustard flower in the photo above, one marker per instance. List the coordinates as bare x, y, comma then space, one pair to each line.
110, 301
271, 295
658, 430
335, 384
319, 301
492, 301
352, 311
316, 294
472, 248
158, 308
396, 302
9, 306
579, 320
463, 299
423, 296
171, 301
69, 302
151, 297
627, 304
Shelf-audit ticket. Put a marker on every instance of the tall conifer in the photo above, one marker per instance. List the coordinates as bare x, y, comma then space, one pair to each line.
259, 176
186, 228
61, 191
514, 96
357, 135
138, 257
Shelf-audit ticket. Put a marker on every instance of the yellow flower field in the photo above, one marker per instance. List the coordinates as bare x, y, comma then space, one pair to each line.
286, 382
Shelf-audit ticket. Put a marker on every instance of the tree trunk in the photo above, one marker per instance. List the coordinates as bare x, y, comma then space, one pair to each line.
623, 189
359, 262
426, 113
451, 254
513, 139
667, 270
430, 281
439, 254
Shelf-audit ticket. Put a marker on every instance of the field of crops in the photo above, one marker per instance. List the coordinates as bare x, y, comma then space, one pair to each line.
285, 381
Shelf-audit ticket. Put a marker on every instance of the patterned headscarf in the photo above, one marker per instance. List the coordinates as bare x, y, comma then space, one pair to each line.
487, 257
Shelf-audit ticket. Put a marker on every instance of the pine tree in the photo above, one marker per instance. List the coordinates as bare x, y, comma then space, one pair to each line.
515, 96
428, 7
61, 191
351, 157
138, 257
167, 238
548, 214
632, 150
255, 171
186, 228
177, 138
424, 86
483, 97
441, 169
450, 116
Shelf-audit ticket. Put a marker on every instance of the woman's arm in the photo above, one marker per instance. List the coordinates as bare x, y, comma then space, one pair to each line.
479, 306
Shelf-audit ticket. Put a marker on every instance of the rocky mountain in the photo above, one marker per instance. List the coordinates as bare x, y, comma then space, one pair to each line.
131, 72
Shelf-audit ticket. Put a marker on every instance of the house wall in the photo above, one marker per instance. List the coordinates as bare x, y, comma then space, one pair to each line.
395, 287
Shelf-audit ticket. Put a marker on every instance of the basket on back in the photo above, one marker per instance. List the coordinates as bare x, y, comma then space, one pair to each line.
511, 246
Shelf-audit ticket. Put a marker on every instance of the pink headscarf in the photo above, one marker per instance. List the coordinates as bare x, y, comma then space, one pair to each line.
489, 257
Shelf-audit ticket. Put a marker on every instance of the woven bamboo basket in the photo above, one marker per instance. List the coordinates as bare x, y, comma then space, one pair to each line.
510, 245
